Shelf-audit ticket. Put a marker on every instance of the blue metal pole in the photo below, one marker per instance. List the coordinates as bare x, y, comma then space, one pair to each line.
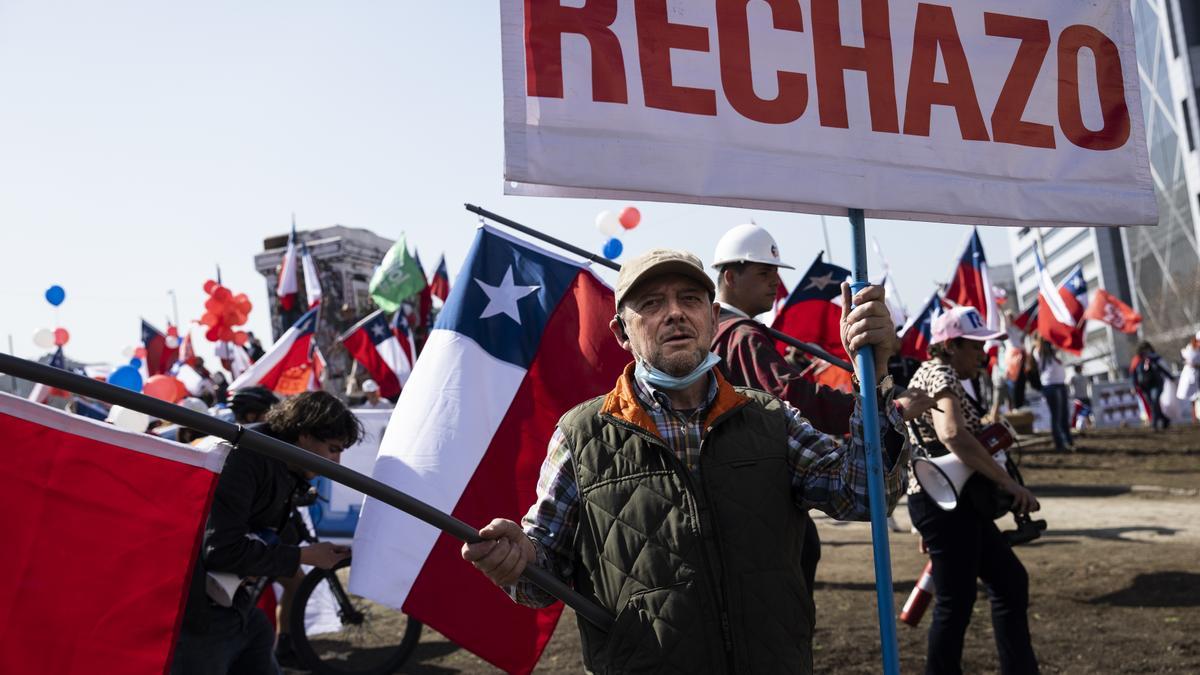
870, 417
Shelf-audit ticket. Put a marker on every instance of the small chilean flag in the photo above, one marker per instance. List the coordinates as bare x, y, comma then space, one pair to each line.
523, 338
288, 285
289, 365
439, 286
1060, 309
813, 312
159, 357
917, 333
372, 343
1027, 320
103, 529
971, 286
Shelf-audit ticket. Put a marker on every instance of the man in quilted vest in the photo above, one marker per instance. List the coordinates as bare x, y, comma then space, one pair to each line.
677, 501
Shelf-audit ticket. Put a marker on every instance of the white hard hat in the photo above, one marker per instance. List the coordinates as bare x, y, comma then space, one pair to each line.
747, 243
370, 386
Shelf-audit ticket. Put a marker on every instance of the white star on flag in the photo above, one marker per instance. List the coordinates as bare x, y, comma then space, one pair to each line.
503, 299
379, 330
821, 282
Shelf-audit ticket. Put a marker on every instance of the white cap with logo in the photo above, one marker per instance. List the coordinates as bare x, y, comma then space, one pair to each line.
963, 322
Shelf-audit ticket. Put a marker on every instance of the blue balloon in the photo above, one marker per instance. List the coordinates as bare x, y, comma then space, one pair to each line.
613, 248
135, 362
55, 295
127, 377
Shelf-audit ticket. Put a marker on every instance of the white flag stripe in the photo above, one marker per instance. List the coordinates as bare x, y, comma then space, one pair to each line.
991, 310
440, 430
210, 458
287, 272
1048, 290
312, 280
393, 355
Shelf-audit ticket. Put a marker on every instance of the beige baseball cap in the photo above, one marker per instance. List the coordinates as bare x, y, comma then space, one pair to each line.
657, 262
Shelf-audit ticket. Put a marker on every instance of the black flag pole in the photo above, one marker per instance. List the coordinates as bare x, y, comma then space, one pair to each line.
241, 437
806, 347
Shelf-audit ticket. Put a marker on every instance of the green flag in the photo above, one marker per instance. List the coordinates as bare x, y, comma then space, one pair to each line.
397, 278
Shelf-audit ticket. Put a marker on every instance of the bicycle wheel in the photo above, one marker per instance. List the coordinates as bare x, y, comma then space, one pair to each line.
369, 638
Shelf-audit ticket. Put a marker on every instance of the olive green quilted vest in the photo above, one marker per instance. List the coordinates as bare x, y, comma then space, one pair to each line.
702, 570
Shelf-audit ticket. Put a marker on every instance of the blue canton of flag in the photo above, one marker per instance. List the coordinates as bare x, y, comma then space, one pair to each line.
306, 323
504, 295
377, 328
1077, 285
823, 281
148, 333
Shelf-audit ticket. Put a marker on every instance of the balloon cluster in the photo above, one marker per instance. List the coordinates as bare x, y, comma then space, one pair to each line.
49, 339
613, 224
44, 337
223, 313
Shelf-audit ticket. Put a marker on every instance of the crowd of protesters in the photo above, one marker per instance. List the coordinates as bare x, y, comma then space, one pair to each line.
936, 407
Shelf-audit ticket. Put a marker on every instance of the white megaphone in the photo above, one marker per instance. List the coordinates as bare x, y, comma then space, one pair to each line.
942, 478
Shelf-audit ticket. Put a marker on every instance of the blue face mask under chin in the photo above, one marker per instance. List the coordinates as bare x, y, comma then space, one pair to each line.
660, 380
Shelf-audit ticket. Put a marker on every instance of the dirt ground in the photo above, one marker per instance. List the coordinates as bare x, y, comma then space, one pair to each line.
1115, 580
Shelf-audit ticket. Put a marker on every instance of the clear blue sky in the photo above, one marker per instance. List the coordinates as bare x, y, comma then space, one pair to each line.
143, 143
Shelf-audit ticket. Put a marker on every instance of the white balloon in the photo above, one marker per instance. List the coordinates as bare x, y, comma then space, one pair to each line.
44, 338
609, 223
129, 420
172, 342
128, 352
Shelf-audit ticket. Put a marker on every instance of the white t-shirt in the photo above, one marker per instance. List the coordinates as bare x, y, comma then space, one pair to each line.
1050, 370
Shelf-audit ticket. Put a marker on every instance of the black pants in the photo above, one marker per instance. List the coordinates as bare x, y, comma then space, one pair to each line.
233, 644
964, 547
1157, 416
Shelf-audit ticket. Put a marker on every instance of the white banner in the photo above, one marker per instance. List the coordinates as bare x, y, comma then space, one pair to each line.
969, 111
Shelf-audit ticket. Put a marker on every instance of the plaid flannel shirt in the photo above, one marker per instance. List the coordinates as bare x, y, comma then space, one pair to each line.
828, 474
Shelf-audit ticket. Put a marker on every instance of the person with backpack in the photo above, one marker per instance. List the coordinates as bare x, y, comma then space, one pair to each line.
1150, 375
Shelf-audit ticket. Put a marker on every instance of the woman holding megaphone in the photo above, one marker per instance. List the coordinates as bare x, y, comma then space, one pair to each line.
960, 533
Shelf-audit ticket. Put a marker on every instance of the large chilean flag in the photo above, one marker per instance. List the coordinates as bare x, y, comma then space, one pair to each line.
523, 338
813, 312
101, 532
971, 286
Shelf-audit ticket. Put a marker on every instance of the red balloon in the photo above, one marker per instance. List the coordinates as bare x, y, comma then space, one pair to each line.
140, 353
164, 387
209, 319
225, 333
61, 336
221, 294
240, 338
212, 334
630, 217
209, 286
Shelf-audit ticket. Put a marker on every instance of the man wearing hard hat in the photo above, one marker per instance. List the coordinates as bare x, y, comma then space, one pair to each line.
747, 263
